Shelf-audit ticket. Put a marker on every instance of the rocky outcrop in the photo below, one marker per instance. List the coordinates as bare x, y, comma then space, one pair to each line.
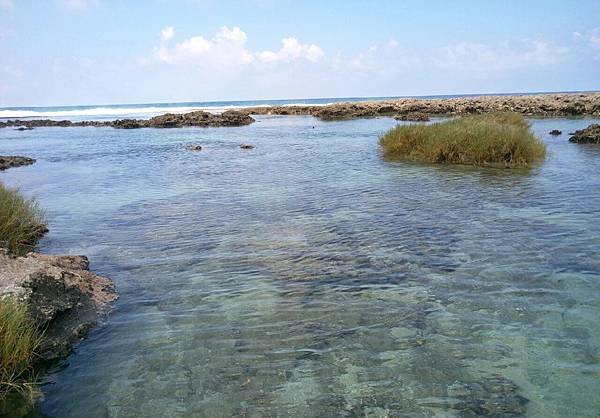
14, 161
60, 294
550, 105
555, 132
169, 120
198, 118
413, 117
589, 135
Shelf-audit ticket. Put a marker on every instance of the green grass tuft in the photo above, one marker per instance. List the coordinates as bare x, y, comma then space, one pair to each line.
502, 139
19, 340
21, 222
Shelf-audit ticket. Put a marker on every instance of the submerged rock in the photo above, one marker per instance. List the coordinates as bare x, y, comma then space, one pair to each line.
246, 146
555, 132
413, 117
24, 128
193, 147
14, 161
60, 294
589, 135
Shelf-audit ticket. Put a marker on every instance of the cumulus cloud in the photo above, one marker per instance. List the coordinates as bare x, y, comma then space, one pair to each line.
526, 53
167, 33
79, 5
7, 4
591, 38
292, 49
227, 48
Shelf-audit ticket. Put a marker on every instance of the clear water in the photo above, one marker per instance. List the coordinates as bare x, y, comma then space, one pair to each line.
311, 277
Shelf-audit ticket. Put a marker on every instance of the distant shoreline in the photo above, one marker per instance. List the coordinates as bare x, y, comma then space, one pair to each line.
147, 110
542, 105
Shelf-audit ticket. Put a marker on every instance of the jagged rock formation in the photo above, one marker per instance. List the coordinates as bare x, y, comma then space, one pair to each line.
168, 120
10, 161
589, 135
60, 294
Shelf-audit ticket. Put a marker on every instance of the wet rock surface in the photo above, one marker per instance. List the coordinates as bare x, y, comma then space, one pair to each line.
60, 294
573, 104
589, 135
11, 161
169, 120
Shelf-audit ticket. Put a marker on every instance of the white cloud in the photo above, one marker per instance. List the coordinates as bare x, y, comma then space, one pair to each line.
591, 38
167, 33
7, 5
526, 53
292, 50
79, 5
227, 48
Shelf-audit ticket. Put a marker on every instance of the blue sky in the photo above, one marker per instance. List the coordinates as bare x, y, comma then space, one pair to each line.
60, 52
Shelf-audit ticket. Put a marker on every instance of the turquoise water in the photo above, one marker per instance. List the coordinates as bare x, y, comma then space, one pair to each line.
311, 277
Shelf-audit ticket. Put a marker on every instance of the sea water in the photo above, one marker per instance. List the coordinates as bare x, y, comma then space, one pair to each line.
310, 276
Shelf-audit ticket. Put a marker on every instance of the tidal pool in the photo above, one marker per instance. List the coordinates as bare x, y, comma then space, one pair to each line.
311, 277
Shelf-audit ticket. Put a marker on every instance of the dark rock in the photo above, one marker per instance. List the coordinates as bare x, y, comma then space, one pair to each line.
555, 132
246, 146
60, 294
413, 117
589, 135
126, 124
193, 147
168, 120
14, 161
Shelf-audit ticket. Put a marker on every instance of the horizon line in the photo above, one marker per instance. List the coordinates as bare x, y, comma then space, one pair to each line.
424, 96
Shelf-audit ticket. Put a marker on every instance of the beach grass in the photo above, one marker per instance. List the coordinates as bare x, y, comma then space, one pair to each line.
501, 139
22, 221
19, 340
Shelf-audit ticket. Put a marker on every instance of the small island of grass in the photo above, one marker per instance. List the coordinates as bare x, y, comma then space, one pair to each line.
501, 139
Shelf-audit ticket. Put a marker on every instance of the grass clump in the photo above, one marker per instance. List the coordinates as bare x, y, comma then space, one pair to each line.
19, 340
21, 222
502, 139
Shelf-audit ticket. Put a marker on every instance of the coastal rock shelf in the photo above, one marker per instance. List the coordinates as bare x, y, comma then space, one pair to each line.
530, 105
60, 294
169, 120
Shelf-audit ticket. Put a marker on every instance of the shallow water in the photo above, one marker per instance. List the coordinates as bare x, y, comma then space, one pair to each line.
310, 277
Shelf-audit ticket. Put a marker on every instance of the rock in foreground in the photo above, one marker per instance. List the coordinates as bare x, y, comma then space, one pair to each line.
60, 294
14, 161
589, 135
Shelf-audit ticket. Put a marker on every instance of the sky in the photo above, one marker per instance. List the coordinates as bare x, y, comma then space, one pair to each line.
71, 52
